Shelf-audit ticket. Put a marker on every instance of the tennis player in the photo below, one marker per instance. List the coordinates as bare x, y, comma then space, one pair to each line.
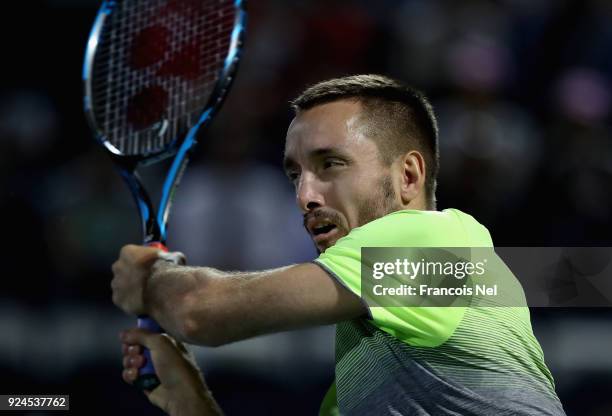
362, 153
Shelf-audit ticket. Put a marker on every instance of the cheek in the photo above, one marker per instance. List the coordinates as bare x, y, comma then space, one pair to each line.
349, 195
340, 196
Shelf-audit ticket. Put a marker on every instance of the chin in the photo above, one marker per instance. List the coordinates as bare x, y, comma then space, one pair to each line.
322, 247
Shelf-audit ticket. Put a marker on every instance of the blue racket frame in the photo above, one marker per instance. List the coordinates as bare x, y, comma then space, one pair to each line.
154, 222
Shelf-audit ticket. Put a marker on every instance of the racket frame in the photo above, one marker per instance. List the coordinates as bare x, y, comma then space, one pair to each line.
154, 222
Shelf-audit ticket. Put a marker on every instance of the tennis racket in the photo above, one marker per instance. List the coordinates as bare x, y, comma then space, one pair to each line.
155, 73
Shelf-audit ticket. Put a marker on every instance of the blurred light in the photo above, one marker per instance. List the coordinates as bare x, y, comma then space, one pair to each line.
584, 95
478, 63
30, 119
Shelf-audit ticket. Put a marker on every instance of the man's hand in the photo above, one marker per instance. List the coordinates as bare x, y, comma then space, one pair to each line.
183, 391
130, 274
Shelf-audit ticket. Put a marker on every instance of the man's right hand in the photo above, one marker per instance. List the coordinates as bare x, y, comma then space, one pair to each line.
183, 391
130, 274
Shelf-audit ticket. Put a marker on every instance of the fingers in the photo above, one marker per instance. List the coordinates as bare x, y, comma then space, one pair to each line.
132, 255
167, 353
127, 349
129, 375
139, 336
133, 359
138, 254
130, 274
144, 255
116, 267
130, 251
176, 369
131, 366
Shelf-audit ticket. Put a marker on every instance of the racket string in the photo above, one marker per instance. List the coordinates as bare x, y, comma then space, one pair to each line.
198, 42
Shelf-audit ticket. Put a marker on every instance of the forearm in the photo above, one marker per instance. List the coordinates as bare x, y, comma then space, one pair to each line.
239, 305
208, 307
202, 305
202, 404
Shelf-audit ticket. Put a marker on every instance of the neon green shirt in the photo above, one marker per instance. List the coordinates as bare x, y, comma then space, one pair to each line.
432, 360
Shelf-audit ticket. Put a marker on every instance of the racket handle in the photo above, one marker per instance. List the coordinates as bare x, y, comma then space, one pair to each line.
147, 378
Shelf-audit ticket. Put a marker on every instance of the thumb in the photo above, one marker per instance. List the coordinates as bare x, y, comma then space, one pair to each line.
175, 257
163, 347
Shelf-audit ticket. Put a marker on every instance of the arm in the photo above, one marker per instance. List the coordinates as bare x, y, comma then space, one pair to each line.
217, 308
209, 307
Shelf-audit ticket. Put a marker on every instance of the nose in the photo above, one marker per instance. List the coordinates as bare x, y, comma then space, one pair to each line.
308, 193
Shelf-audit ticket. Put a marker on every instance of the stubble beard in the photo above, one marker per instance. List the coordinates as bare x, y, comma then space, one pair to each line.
374, 206
380, 203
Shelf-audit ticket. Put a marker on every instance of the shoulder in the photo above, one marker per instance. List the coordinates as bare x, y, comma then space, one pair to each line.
415, 228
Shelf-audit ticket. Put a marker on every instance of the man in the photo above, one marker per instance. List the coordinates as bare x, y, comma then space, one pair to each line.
362, 153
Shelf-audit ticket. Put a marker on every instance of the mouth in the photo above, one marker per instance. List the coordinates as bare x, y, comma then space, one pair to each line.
325, 227
323, 231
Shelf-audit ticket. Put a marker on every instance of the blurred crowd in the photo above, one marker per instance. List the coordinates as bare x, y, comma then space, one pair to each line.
523, 93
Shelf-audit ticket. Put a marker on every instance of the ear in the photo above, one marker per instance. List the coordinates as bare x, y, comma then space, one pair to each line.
412, 186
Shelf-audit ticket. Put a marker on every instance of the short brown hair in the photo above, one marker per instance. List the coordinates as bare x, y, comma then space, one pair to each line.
398, 117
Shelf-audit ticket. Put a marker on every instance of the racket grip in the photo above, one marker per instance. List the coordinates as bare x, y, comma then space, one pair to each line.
147, 378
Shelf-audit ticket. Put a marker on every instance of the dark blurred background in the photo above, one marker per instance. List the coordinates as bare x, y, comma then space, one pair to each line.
523, 93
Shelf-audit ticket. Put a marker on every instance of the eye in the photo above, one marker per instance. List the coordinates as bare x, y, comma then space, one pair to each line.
330, 163
293, 176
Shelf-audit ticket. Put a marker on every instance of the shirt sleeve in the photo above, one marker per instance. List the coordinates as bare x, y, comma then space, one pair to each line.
417, 326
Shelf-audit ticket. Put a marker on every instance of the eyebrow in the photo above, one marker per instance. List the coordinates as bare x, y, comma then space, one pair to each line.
289, 162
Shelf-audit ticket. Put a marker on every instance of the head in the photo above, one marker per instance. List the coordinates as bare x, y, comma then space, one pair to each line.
359, 148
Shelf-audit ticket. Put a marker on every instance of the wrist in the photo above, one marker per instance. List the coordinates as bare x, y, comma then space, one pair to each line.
153, 298
198, 404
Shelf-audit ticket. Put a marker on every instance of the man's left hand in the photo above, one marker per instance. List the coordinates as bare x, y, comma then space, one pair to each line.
183, 390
